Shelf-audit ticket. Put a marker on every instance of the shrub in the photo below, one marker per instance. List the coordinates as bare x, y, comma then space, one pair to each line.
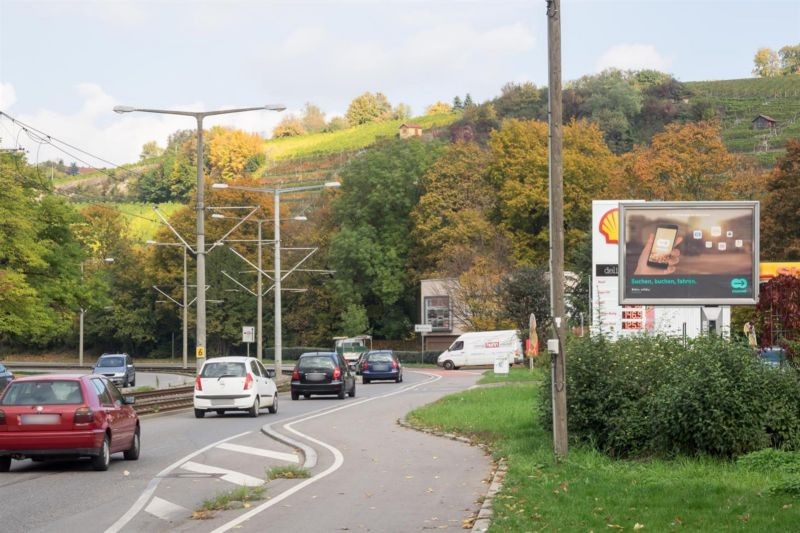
653, 396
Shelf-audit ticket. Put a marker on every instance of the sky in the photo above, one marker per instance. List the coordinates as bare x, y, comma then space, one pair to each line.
64, 64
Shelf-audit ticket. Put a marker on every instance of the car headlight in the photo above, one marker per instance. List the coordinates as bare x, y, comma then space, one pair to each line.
119, 374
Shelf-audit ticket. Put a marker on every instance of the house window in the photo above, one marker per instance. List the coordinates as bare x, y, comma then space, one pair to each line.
437, 313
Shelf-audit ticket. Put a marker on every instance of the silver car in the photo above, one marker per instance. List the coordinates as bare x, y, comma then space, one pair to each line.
117, 367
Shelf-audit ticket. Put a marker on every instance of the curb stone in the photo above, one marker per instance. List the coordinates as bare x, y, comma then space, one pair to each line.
309, 454
484, 517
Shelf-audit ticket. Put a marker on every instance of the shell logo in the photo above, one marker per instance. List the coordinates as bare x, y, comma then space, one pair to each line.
609, 226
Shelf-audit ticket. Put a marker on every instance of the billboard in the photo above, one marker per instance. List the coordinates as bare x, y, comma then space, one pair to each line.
688, 253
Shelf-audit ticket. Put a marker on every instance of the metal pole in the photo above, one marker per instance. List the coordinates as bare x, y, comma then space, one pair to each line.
277, 289
80, 338
259, 337
185, 310
560, 443
200, 341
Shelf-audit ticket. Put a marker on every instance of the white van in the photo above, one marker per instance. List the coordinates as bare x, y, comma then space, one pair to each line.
481, 348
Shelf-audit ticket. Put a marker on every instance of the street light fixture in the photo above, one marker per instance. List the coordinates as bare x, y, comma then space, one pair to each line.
83, 312
200, 251
276, 192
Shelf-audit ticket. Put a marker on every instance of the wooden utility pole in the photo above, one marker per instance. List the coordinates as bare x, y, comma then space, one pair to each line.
557, 309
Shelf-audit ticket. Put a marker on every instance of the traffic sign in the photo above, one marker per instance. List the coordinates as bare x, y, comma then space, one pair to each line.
423, 328
248, 334
200, 351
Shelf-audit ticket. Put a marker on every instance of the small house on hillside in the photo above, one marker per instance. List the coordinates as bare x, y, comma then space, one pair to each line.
410, 130
763, 122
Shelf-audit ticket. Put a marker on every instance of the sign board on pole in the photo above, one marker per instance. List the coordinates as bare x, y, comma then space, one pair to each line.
423, 328
501, 363
248, 334
200, 352
688, 253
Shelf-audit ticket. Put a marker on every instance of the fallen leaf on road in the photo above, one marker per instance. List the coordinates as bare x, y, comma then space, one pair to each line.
409, 477
126, 473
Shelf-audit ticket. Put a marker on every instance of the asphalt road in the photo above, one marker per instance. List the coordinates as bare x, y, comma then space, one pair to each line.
370, 474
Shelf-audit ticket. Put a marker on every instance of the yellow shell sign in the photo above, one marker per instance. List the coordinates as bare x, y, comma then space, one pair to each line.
609, 226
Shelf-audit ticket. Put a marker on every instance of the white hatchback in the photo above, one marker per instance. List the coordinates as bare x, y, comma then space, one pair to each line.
234, 384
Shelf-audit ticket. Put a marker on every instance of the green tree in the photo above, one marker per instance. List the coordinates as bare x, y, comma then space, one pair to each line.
354, 320
336, 124
790, 59
457, 103
468, 101
73, 169
525, 291
401, 111
521, 100
150, 150
368, 107
766, 63
370, 252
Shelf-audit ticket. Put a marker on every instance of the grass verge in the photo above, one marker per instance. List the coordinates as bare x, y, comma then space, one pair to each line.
592, 492
224, 500
287, 472
515, 374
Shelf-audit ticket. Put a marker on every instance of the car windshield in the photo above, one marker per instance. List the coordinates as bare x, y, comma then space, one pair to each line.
223, 369
381, 358
316, 362
43, 393
111, 361
2, 368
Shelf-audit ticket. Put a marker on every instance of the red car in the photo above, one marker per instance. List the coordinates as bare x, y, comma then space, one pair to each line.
66, 416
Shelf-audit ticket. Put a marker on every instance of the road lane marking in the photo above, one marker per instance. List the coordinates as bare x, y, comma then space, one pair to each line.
165, 510
231, 476
338, 458
140, 503
290, 457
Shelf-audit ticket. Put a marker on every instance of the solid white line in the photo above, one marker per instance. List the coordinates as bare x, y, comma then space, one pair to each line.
338, 458
167, 510
290, 457
139, 504
231, 476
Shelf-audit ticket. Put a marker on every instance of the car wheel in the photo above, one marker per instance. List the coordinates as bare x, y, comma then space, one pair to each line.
220, 412
199, 413
352, 392
125, 383
366, 381
448, 365
101, 461
274, 407
341, 392
5, 464
133, 382
254, 409
132, 453
401, 378
306, 396
397, 379
295, 395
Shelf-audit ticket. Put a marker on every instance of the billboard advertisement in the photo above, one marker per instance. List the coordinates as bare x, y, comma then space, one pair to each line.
688, 253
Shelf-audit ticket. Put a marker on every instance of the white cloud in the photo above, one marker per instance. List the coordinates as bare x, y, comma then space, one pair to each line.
7, 95
96, 129
633, 57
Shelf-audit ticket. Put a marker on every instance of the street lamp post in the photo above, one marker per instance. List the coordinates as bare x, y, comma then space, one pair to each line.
83, 312
185, 306
276, 192
200, 251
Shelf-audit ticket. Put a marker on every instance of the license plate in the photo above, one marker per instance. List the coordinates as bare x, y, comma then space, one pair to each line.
40, 419
215, 403
380, 368
315, 376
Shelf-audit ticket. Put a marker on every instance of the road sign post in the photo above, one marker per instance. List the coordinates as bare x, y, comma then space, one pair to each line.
422, 329
248, 336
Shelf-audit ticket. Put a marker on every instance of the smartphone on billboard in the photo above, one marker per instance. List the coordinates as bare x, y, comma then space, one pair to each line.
663, 243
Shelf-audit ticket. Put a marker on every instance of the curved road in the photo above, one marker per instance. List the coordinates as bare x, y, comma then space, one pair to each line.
370, 474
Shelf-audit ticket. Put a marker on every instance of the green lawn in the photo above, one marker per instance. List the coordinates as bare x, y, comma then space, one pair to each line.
591, 492
348, 139
515, 374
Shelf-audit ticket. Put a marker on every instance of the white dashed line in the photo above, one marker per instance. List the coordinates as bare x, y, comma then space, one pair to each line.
290, 457
231, 476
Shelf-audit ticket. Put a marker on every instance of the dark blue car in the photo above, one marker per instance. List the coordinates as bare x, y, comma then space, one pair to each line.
381, 364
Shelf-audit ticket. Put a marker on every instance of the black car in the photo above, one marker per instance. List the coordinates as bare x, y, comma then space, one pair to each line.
381, 364
322, 373
6, 377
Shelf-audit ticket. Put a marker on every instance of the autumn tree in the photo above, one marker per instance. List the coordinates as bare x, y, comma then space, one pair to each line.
401, 111
780, 236
368, 107
233, 152
437, 108
766, 63
336, 124
790, 59
519, 174
289, 126
150, 149
313, 119
685, 162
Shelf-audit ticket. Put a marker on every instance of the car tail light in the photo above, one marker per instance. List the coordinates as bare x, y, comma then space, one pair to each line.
364, 366
394, 364
198, 383
296, 374
248, 381
337, 373
83, 415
